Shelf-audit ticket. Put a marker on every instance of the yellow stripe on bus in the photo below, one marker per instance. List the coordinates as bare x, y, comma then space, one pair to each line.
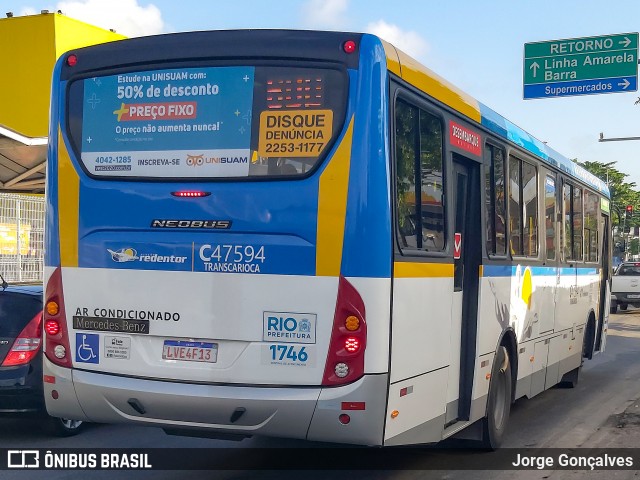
436, 86
419, 270
332, 208
393, 63
68, 206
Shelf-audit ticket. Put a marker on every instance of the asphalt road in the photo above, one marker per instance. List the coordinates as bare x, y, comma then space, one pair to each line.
557, 418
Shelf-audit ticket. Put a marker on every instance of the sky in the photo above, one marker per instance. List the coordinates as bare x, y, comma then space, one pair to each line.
478, 45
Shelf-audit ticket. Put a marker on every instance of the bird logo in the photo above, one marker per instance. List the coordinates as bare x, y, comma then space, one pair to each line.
123, 255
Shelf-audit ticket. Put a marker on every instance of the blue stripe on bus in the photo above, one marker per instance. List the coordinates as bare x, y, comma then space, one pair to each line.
510, 270
367, 240
588, 271
503, 127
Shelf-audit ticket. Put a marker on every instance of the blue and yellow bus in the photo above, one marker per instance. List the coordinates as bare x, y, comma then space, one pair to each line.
307, 235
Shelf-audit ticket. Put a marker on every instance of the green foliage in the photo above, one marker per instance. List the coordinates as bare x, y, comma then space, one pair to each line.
622, 193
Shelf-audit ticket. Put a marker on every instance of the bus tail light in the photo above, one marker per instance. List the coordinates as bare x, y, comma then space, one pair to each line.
190, 194
57, 348
26, 345
349, 46
345, 359
52, 327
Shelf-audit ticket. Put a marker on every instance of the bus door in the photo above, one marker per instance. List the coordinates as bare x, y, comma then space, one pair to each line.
605, 279
465, 183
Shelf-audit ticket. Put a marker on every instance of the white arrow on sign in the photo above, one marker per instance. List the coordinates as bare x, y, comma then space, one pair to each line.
624, 84
625, 42
535, 66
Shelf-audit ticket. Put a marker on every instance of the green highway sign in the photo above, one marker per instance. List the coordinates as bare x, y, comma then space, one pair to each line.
581, 66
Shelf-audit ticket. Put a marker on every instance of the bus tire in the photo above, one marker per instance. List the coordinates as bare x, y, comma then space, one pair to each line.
63, 427
570, 379
623, 306
498, 401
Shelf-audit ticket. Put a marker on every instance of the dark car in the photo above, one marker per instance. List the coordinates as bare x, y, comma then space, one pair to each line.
21, 381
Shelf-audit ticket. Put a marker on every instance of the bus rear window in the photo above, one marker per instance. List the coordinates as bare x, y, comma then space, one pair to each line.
206, 122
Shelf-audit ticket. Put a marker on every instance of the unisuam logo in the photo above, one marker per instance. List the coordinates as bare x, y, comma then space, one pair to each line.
199, 160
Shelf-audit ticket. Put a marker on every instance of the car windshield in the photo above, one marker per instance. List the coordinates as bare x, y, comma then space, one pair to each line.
629, 270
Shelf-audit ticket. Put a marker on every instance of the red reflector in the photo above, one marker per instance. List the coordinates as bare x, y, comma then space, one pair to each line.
49, 379
406, 390
344, 419
353, 406
54, 394
349, 46
72, 60
52, 327
190, 194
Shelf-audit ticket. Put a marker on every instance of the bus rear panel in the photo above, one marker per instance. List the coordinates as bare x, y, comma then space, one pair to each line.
205, 270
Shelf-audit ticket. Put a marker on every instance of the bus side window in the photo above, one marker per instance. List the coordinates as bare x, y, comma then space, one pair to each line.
550, 216
419, 187
406, 140
523, 207
591, 209
577, 224
573, 223
567, 230
495, 201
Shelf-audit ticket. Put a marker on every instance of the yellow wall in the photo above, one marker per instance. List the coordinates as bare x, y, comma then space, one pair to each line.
30, 47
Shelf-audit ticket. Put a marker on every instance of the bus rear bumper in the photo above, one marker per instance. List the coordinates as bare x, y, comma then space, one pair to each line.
304, 412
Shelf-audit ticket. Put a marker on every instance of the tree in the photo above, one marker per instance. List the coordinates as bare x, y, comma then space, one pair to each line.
622, 193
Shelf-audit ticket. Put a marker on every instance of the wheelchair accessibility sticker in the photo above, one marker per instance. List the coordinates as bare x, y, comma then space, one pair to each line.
87, 348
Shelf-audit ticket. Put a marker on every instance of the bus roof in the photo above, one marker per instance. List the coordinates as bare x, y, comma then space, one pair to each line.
424, 79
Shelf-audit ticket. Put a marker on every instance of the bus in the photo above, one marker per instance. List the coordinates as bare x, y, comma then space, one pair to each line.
307, 235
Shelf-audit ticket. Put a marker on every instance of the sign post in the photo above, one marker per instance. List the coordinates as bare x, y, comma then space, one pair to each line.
581, 66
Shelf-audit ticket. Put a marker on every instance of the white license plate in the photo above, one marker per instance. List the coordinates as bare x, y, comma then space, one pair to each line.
190, 351
634, 295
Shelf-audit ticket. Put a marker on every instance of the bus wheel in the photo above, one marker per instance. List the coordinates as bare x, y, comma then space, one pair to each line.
570, 379
63, 427
498, 402
623, 306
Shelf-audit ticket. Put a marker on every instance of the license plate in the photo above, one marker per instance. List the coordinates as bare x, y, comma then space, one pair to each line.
634, 295
190, 351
